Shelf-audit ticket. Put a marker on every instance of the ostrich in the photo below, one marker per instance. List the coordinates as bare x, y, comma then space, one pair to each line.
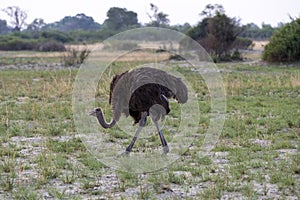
140, 93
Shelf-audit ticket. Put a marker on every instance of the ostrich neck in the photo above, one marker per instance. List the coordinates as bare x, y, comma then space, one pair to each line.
102, 121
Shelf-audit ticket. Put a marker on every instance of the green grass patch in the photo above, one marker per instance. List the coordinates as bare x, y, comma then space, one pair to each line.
259, 144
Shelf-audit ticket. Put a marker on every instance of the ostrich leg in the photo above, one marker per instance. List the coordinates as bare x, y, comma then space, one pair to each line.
162, 138
141, 125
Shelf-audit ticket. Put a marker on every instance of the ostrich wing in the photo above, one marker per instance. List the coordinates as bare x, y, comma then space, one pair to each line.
119, 95
125, 84
145, 75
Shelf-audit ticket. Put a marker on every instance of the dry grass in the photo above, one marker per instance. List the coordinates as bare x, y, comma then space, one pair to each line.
255, 53
260, 45
29, 54
295, 80
97, 49
142, 44
135, 56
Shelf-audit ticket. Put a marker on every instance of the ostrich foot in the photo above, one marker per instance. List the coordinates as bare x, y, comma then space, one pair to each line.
166, 149
124, 154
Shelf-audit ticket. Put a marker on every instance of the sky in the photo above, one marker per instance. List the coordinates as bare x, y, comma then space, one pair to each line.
179, 11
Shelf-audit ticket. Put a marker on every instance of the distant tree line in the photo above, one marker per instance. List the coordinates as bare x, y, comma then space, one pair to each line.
118, 19
255, 32
219, 34
17, 35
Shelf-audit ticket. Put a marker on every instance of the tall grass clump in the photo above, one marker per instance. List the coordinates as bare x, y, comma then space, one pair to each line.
74, 57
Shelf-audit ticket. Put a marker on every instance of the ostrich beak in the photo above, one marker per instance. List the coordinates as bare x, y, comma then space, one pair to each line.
93, 113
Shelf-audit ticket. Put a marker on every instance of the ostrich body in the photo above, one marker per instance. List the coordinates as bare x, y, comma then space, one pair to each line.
140, 93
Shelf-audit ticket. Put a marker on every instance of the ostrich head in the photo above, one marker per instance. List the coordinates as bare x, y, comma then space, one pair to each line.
181, 94
99, 114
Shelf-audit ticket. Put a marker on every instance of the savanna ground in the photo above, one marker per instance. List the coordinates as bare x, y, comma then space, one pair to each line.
256, 157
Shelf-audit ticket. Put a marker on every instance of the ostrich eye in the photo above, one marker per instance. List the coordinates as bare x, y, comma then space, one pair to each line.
97, 109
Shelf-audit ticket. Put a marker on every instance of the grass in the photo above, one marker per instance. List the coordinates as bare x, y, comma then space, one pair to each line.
257, 155
28, 58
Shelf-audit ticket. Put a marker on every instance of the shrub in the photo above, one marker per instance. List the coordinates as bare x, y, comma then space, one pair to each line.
16, 44
56, 35
51, 45
75, 57
236, 55
284, 45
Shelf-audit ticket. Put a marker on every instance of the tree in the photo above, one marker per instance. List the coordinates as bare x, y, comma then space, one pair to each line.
120, 19
36, 25
3, 27
212, 10
77, 22
18, 17
284, 45
158, 19
182, 28
216, 32
254, 32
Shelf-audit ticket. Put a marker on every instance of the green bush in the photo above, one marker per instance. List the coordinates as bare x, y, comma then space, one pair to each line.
51, 45
236, 56
56, 35
90, 36
13, 43
284, 45
19, 42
